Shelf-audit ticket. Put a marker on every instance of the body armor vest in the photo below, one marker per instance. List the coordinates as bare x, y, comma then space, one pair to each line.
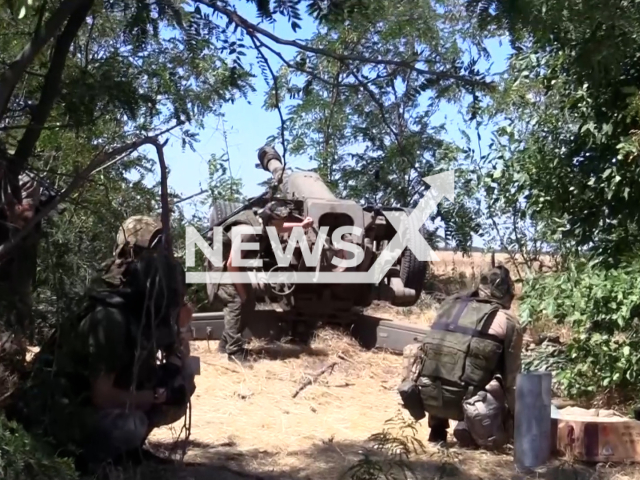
460, 357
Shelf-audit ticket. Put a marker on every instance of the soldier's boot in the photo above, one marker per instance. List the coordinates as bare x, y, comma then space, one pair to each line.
242, 356
438, 435
438, 429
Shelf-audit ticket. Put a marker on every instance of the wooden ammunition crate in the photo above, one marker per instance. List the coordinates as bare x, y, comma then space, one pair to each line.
597, 436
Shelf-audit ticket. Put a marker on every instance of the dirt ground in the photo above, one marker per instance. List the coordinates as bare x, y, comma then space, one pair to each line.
246, 422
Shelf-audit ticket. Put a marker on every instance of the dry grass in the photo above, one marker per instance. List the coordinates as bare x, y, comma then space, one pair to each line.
245, 423
247, 420
249, 413
452, 263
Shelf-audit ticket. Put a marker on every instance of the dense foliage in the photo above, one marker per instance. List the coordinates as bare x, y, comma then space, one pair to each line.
22, 457
370, 128
569, 105
601, 310
565, 156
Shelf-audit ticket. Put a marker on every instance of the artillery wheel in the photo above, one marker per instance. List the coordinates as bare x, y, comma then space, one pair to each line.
412, 271
220, 210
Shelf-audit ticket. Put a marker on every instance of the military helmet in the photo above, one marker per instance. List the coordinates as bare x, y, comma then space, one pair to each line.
138, 231
498, 285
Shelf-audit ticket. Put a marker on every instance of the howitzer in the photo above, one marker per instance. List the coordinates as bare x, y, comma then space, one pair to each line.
304, 194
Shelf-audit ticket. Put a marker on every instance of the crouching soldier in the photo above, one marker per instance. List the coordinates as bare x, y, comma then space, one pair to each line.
98, 389
136, 235
466, 367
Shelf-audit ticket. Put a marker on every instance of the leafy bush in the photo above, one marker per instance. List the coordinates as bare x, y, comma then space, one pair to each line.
24, 458
601, 308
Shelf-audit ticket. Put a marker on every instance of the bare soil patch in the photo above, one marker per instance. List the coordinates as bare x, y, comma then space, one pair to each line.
246, 423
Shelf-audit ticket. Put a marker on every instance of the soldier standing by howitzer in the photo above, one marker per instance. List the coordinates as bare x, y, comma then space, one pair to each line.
239, 298
465, 369
106, 390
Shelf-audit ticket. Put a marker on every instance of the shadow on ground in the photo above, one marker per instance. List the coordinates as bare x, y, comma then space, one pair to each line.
284, 351
332, 460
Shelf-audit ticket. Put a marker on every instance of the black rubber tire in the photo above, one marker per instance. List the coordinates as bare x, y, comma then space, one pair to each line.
412, 271
221, 210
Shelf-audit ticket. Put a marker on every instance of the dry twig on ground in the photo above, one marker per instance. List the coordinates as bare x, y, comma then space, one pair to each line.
314, 377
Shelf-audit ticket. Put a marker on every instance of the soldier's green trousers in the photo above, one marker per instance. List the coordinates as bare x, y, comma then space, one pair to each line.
236, 316
111, 432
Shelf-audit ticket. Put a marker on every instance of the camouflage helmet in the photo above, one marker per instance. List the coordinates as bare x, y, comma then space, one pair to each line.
138, 231
497, 285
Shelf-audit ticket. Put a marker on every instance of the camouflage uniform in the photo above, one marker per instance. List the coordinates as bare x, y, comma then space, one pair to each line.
120, 331
136, 235
17, 273
237, 312
494, 340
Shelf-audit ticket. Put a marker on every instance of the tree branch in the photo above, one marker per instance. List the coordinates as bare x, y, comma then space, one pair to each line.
276, 93
165, 214
184, 199
312, 74
252, 29
12, 75
328, 138
45, 127
77, 182
50, 88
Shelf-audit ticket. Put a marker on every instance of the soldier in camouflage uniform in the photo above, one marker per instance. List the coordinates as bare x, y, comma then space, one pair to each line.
107, 391
239, 299
136, 235
471, 354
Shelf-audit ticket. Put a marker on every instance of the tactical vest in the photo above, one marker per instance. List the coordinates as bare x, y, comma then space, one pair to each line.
460, 356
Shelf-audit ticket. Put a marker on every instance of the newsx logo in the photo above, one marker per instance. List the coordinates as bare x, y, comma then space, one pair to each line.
407, 236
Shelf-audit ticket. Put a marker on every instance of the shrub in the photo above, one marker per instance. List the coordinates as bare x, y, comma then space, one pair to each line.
601, 308
22, 457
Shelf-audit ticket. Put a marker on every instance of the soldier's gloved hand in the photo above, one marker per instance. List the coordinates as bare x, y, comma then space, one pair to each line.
177, 395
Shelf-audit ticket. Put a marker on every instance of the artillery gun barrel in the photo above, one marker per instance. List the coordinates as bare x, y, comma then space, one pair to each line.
271, 161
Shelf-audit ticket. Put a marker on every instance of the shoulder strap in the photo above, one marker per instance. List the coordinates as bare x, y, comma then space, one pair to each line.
460, 305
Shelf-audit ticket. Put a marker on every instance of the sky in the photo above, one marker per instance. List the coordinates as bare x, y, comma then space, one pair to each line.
248, 125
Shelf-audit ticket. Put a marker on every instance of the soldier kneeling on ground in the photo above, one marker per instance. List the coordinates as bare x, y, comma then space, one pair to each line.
97, 389
465, 369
